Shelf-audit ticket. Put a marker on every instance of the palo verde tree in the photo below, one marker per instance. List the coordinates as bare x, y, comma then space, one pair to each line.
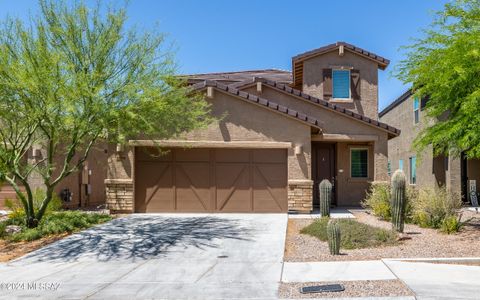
444, 66
73, 77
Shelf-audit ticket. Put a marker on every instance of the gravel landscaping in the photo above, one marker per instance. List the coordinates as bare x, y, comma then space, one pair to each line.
364, 288
422, 242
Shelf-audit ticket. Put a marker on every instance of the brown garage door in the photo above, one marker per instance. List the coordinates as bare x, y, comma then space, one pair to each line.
211, 180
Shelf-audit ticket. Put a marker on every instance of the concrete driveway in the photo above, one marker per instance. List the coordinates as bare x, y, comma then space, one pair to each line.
162, 256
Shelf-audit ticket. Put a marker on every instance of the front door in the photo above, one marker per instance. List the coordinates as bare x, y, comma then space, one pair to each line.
323, 162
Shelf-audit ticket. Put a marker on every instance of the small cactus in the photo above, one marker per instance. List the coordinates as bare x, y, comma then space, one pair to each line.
333, 233
325, 190
398, 200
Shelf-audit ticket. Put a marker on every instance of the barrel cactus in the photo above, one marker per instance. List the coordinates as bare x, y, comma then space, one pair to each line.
325, 190
398, 200
333, 234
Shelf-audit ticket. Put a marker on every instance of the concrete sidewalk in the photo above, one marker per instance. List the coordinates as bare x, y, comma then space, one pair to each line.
428, 280
336, 270
436, 280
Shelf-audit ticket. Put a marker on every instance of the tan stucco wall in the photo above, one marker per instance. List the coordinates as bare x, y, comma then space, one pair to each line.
96, 163
332, 122
402, 117
241, 121
313, 85
350, 191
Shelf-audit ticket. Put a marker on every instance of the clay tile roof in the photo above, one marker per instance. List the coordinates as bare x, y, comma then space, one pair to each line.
311, 121
392, 130
240, 76
382, 62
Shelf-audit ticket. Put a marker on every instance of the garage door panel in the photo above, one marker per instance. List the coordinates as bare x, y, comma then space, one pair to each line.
233, 187
206, 180
157, 193
193, 155
192, 181
154, 154
269, 156
269, 188
232, 155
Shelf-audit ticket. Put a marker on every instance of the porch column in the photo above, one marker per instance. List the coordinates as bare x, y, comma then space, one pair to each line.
119, 182
453, 176
380, 151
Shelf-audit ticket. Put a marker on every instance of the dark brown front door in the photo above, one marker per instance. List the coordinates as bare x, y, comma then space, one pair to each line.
323, 162
211, 180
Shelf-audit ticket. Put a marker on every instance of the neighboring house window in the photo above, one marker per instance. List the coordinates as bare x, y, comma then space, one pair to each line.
413, 170
400, 164
359, 163
341, 84
389, 168
416, 110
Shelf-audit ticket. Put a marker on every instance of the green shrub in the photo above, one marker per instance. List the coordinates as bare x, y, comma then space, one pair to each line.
3, 225
355, 235
17, 214
437, 208
60, 222
378, 200
451, 224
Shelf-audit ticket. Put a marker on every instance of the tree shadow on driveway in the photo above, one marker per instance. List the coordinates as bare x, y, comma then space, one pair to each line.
141, 237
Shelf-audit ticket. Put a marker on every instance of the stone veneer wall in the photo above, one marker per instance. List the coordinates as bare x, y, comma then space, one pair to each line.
300, 195
119, 195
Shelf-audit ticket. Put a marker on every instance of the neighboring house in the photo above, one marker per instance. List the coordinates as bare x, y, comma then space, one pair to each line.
279, 134
457, 174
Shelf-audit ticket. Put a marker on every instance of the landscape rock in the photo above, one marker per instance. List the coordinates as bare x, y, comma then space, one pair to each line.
12, 229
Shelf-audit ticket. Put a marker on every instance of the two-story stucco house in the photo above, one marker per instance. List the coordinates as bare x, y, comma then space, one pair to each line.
278, 134
458, 174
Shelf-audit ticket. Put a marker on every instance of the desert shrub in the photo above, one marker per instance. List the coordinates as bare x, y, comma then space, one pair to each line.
378, 200
437, 208
355, 235
60, 222
17, 211
3, 225
451, 224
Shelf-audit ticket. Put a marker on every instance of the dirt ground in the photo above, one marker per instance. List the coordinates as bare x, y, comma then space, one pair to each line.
363, 288
420, 242
10, 251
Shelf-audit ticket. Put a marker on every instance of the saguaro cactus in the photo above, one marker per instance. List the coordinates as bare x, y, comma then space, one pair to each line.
398, 200
325, 190
333, 233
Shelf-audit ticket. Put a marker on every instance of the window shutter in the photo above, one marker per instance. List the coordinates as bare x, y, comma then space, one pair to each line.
327, 83
355, 84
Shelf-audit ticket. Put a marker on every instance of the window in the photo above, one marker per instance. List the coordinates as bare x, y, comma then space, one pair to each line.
416, 110
341, 84
389, 168
413, 170
359, 163
400, 164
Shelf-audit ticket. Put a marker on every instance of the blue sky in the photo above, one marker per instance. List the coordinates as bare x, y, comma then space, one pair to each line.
216, 35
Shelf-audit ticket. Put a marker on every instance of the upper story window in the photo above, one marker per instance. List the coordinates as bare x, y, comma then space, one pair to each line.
416, 110
400, 164
341, 84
